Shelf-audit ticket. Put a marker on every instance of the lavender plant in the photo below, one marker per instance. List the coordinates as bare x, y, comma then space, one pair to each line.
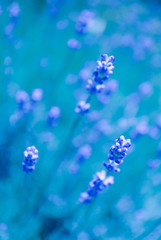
55, 45
117, 153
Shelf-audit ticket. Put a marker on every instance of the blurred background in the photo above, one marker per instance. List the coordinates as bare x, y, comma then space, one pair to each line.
48, 53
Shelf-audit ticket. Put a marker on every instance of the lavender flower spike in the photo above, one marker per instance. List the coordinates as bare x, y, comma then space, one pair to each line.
104, 68
100, 182
53, 116
117, 153
30, 159
102, 72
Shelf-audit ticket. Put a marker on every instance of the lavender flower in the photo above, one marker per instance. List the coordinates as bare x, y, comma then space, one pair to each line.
82, 107
158, 121
111, 87
99, 183
53, 116
36, 95
145, 89
9, 30
84, 21
117, 153
141, 128
74, 43
102, 72
14, 9
104, 68
30, 159
84, 153
159, 150
23, 101
154, 163
26, 103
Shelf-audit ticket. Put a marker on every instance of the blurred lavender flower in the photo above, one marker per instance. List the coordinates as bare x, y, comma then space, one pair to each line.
86, 71
158, 121
145, 89
83, 236
142, 128
154, 132
30, 159
37, 95
84, 21
83, 153
103, 127
111, 87
74, 43
1, 10
100, 182
71, 78
82, 107
159, 150
117, 153
14, 9
154, 163
53, 116
23, 101
4, 235
8, 30
94, 116
44, 62
85, 198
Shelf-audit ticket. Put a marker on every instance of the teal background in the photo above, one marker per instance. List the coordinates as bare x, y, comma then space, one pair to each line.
43, 206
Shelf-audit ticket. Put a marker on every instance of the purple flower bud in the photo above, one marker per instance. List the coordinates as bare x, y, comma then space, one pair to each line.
30, 159
117, 153
93, 87
82, 107
99, 183
85, 198
103, 69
